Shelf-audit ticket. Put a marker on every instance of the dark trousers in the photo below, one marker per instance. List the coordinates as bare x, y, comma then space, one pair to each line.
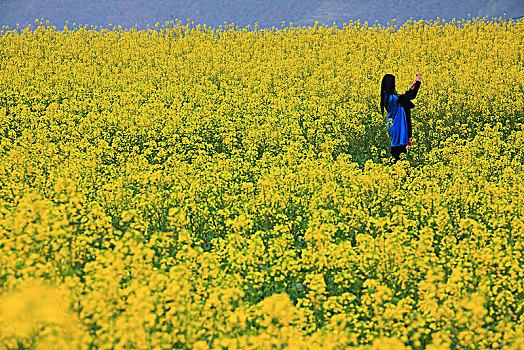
395, 151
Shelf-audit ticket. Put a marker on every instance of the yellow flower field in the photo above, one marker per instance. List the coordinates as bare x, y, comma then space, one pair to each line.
195, 188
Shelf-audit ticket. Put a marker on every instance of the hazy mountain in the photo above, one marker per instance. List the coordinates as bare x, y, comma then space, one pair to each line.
246, 12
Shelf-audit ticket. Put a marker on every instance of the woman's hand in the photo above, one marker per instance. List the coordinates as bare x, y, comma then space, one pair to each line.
418, 78
409, 144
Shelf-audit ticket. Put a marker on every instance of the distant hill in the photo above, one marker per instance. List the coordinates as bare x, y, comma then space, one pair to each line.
246, 12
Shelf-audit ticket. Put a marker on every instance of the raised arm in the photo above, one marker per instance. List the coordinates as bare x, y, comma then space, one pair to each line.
410, 94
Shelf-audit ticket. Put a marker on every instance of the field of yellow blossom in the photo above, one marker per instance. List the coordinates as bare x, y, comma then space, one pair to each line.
195, 188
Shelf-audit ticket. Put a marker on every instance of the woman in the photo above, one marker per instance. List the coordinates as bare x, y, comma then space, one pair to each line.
399, 112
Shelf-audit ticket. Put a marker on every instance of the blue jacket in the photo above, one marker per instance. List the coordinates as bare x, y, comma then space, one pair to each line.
399, 129
397, 124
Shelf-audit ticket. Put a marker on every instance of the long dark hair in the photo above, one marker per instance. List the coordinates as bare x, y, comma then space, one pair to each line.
387, 88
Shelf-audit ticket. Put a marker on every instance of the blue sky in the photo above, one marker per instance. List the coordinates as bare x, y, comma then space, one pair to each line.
246, 12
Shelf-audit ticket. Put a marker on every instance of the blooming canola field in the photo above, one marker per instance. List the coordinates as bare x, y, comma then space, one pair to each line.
195, 188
